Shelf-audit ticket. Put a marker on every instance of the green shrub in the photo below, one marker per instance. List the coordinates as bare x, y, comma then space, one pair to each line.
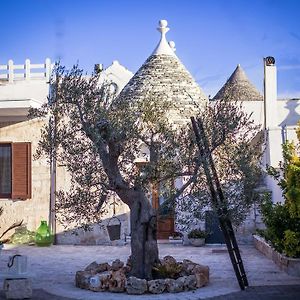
283, 220
197, 234
277, 220
22, 236
291, 243
279, 225
177, 235
162, 271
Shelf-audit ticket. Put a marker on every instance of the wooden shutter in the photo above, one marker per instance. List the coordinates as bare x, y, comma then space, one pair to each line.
21, 171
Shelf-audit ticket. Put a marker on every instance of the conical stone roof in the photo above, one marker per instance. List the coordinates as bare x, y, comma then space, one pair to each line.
238, 88
164, 75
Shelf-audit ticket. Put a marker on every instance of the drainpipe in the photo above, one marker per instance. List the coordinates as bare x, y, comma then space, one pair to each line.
52, 217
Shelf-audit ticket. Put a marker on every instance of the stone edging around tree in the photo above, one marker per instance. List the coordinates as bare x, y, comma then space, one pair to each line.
289, 265
115, 277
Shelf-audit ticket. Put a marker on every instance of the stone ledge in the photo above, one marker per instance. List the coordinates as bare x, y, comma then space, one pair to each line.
115, 278
287, 264
17, 288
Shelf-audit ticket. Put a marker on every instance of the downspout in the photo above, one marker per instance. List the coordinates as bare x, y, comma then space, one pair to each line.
52, 215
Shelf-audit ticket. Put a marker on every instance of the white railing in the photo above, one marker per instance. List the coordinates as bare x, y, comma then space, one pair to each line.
12, 72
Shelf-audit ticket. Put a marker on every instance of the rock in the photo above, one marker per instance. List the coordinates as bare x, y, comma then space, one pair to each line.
95, 268
116, 265
156, 286
17, 288
125, 269
188, 282
103, 267
104, 278
82, 279
188, 268
168, 268
173, 286
180, 282
168, 260
92, 266
136, 286
95, 284
200, 269
116, 283
129, 262
201, 280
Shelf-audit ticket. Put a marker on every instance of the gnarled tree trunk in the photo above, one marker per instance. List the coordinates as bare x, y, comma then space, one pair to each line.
144, 250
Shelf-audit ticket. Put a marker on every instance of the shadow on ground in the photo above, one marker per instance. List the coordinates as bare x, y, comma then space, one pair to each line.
281, 292
39, 294
277, 292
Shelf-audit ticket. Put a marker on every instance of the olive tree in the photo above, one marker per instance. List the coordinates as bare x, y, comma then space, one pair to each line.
98, 137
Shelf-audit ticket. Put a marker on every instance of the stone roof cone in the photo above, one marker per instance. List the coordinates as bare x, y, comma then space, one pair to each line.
239, 88
164, 75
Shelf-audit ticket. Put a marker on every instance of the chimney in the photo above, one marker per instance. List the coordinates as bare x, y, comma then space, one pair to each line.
270, 93
273, 151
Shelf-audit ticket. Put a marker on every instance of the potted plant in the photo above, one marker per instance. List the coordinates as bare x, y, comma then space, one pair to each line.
176, 238
197, 237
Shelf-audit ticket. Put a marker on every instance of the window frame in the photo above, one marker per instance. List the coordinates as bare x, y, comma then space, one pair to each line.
8, 195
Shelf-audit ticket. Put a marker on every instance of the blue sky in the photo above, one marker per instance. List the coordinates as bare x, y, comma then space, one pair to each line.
211, 37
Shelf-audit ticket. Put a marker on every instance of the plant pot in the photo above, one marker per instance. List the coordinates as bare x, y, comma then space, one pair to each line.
175, 240
197, 242
114, 232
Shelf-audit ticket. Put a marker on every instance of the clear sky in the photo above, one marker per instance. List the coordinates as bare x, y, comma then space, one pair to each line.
211, 37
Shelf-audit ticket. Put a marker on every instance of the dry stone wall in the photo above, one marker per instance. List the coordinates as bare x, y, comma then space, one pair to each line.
165, 76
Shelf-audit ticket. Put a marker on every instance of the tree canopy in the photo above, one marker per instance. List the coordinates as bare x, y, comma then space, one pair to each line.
98, 138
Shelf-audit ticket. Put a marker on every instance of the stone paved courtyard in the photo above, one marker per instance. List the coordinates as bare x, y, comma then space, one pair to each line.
53, 269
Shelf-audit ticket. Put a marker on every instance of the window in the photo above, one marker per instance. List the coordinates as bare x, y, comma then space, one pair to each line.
15, 170
5, 170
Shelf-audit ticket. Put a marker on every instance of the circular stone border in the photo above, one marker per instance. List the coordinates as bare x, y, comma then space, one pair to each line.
115, 278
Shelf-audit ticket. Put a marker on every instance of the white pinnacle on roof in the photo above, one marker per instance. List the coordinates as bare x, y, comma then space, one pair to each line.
163, 46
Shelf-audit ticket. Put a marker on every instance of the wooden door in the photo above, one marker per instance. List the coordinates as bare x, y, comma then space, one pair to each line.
165, 222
